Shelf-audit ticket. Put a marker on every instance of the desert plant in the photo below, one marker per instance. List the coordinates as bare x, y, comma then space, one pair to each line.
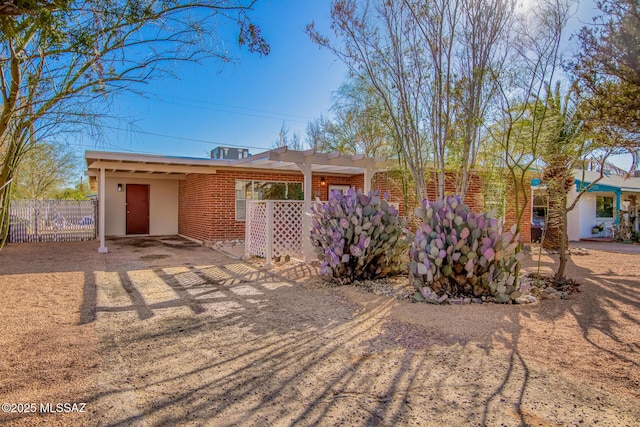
460, 253
358, 236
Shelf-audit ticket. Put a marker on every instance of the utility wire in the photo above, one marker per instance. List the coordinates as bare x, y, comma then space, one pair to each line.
236, 107
181, 137
279, 116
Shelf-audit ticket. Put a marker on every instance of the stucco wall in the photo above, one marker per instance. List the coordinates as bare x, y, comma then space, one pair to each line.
163, 205
586, 211
576, 220
583, 217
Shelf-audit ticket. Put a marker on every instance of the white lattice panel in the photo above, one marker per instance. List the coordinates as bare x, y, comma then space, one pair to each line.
284, 228
287, 228
256, 223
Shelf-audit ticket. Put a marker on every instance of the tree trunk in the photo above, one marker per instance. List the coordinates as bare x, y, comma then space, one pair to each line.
11, 160
559, 180
564, 243
554, 224
4, 214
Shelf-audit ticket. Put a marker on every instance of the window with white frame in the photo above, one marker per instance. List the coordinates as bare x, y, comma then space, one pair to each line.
264, 190
604, 207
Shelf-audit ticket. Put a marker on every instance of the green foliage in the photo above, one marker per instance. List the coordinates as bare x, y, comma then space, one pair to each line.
43, 171
608, 71
358, 236
459, 253
79, 192
360, 123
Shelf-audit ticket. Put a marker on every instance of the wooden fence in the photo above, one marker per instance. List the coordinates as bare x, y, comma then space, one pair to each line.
52, 220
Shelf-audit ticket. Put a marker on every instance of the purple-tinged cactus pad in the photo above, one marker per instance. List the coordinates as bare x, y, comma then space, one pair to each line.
358, 236
467, 254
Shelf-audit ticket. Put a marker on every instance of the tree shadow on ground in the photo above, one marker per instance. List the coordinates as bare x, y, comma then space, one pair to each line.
605, 314
196, 337
234, 344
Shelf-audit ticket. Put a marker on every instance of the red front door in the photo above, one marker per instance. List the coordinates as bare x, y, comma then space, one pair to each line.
137, 209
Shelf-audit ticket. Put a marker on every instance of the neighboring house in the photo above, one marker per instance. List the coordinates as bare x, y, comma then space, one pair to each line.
205, 199
608, 202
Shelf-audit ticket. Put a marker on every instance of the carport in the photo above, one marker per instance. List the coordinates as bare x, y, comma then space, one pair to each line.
138, 194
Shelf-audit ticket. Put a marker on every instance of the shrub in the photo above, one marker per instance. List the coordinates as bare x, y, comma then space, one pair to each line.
358, 236
460, 253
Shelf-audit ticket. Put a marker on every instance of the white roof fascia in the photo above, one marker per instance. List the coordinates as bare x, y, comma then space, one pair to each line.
280, 158
151, 158
152, 175
150, 167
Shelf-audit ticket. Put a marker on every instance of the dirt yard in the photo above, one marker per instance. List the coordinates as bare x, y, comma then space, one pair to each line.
165, 332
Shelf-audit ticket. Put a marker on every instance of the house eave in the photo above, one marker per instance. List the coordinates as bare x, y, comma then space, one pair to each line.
280, 159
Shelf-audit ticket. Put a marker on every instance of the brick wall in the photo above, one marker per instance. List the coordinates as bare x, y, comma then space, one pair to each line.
510, 210
207, 209
207, 202
322, 191
357, 181
392, 182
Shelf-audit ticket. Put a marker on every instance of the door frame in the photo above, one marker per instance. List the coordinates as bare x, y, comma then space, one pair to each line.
126, 206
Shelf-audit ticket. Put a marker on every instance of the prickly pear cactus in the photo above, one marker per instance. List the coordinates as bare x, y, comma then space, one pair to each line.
460, 253
358, 236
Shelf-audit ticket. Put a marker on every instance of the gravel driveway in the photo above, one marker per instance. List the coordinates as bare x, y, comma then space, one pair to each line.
165, 332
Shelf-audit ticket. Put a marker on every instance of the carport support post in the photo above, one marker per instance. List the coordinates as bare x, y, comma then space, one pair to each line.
307, 249
101, 211
368, 175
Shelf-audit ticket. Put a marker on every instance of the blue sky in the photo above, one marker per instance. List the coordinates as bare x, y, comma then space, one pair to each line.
243, 104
